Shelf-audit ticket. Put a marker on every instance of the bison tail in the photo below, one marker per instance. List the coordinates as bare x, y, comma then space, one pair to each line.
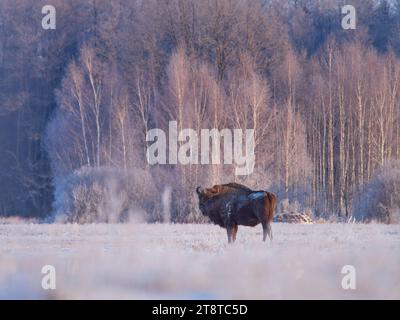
270, 207
272, 204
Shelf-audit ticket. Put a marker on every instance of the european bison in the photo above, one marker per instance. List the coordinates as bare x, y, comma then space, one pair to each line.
230, 205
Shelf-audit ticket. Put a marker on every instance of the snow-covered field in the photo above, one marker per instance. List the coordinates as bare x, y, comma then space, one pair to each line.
141, 261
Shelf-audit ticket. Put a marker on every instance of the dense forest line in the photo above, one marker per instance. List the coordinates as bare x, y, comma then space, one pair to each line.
76, 102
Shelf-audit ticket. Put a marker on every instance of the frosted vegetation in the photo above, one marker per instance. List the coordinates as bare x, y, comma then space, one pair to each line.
163, 261
108, 194
380, 198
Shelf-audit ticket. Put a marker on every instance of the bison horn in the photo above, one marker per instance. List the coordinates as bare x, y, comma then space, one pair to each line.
199, 190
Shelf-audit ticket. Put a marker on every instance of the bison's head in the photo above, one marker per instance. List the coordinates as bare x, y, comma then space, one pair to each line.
208, 199
203, 197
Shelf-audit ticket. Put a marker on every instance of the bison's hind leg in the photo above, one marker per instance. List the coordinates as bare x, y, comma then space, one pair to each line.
267, 230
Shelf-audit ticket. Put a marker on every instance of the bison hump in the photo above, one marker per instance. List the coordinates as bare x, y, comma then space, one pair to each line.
235, 185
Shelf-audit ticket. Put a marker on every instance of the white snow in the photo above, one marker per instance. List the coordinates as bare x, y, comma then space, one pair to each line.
256, 195
143, 261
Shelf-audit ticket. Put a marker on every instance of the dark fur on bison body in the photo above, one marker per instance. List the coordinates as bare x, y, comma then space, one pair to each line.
230, 205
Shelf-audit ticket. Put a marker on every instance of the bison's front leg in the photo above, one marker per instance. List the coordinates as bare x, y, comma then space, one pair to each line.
232, 231
230, 227
229, 231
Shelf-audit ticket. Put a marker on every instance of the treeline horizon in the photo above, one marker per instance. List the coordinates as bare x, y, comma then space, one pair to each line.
76, 102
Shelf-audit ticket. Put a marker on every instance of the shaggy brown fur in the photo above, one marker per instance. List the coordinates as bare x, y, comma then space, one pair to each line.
230, 205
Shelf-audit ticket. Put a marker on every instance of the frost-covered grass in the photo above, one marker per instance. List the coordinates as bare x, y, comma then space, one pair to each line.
142, 261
